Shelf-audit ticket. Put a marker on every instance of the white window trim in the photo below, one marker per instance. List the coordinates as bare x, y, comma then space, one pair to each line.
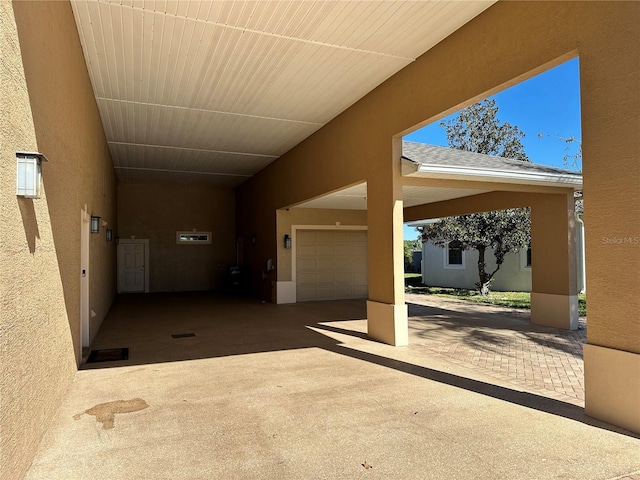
449, 266
193, 242
523, 260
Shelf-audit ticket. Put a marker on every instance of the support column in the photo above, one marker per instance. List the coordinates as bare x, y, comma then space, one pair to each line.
609, 79
554, 299
386, 310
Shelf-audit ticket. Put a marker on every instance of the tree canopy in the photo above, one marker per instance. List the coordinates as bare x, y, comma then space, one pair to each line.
477, 129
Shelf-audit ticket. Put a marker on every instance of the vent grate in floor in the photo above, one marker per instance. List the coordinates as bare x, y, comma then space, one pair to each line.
108, 355
182, 335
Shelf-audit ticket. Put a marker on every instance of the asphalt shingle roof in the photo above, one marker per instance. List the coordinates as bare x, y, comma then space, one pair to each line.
432, 155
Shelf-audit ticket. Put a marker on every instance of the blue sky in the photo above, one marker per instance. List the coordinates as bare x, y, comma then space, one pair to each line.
548, 103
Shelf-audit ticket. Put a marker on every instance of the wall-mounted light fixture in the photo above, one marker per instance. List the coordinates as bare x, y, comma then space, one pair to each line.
287, 241
95, 224
29, 174
109, 234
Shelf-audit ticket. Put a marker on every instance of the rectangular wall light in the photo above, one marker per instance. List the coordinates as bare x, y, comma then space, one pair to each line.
95, 224
29, 174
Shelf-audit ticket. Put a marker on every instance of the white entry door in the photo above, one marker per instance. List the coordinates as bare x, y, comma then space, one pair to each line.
131, 267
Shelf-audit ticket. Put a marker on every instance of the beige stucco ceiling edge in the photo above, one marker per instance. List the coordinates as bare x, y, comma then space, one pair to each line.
477, 174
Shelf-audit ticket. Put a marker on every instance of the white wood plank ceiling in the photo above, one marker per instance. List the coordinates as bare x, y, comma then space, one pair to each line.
211, 92
355, 197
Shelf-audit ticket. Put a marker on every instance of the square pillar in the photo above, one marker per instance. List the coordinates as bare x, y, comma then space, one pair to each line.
554, 283
386, 310
609, 78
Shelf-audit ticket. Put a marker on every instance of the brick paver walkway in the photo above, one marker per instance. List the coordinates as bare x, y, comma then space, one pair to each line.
504, 344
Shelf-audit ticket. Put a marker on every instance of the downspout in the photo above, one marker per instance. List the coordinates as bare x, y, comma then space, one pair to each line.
582, 255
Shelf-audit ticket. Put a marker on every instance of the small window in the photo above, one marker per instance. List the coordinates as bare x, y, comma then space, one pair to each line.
193, 238
454, 255
525, 259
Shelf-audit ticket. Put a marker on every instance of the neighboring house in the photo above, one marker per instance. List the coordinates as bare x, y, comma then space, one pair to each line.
451, 266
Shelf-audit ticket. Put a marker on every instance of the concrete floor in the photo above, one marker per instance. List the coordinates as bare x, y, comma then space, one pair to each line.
298, 391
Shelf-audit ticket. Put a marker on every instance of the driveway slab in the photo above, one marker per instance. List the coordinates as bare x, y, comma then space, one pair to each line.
298, 391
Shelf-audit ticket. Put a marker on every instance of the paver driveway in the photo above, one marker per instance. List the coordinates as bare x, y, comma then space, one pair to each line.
502, 342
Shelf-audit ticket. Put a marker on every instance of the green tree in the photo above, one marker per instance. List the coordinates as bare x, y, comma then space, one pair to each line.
504, 231
410, 246
477, 129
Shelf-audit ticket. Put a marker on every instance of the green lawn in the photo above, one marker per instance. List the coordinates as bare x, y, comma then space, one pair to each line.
413, 284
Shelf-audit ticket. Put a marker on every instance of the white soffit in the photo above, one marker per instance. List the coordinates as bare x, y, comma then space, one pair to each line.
223, 88
355, 197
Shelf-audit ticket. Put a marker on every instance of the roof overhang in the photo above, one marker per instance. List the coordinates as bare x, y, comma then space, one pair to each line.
490, 175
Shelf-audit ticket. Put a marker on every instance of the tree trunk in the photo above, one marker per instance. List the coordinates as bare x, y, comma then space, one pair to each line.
485, 278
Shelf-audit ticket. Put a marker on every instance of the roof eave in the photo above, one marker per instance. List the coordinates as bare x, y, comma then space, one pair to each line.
495, 176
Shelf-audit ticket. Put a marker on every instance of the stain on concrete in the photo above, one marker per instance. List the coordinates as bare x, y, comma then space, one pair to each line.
105, 412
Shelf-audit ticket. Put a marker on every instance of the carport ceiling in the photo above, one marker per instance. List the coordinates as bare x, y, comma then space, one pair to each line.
211, 92
355, 197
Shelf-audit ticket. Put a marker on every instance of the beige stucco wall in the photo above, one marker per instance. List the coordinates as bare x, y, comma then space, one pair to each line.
156, 212
46, 104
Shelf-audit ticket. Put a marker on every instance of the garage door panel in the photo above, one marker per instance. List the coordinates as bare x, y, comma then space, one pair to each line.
359, 278
324, 250
358, 264
306, 250
305, 236
360, 291
306, 294
325, 278
324, 236
325, 265
342, 237
326, 292
342, 278
359, 249
344, 291
307, 265
306, 279
331, 264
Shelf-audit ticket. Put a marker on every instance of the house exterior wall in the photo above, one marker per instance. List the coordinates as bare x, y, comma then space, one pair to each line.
511, 276
46, 105
157, 212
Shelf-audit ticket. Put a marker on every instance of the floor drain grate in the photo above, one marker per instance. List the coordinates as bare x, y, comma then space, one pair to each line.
182, 335
108, 355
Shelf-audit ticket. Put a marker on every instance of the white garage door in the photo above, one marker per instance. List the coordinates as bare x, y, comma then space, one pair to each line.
331, 264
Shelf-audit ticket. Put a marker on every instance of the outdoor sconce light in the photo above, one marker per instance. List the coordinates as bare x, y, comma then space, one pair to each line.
95, 224
109, 234
287, 241
29, 174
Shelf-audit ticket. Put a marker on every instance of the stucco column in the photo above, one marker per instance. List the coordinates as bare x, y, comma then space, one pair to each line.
609, 77
386, 310
554, 299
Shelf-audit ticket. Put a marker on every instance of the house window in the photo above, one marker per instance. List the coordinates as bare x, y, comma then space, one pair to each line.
193, 238
454, 255
525, 259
